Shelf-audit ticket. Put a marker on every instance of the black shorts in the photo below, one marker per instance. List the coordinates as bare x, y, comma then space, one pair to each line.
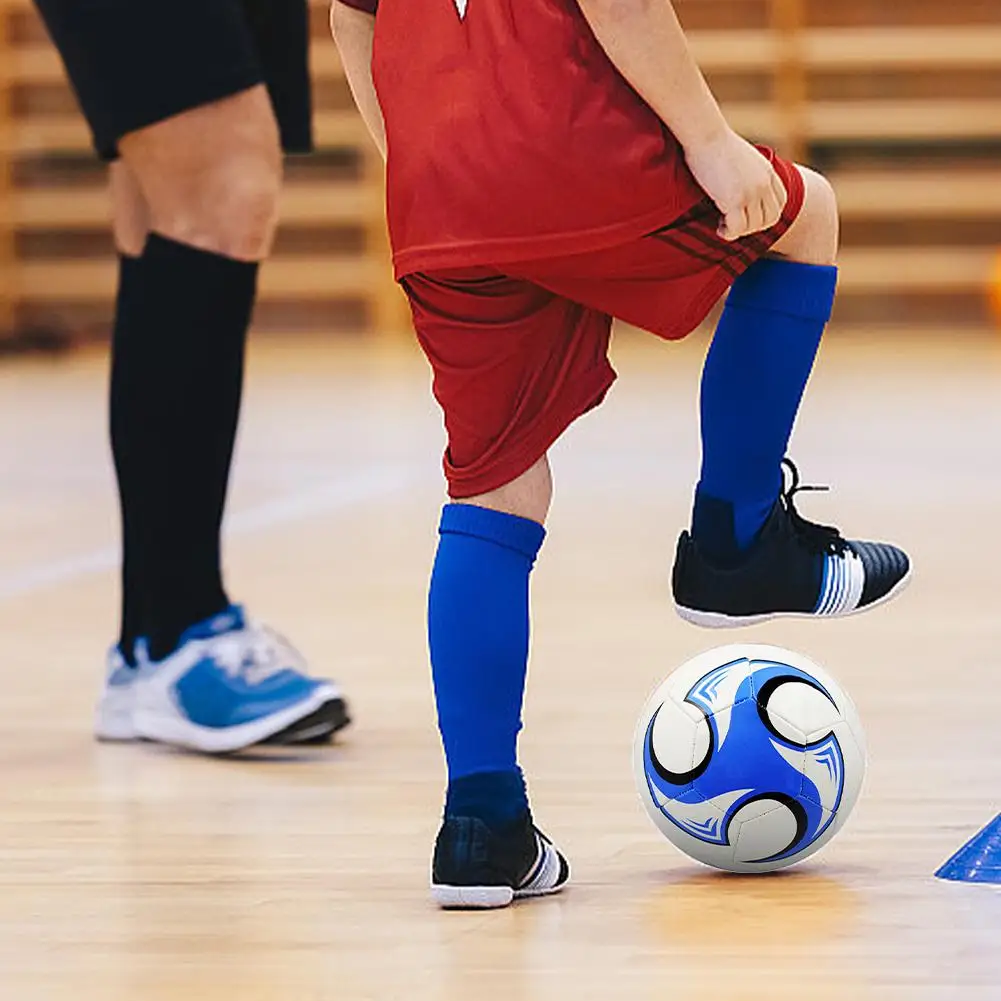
136, 62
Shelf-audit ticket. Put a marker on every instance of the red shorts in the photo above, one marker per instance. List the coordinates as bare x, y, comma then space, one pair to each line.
520, 352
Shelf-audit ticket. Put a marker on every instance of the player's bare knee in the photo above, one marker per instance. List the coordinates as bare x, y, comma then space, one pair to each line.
527, 496
212, 176
813, 237
229, 207
245, 191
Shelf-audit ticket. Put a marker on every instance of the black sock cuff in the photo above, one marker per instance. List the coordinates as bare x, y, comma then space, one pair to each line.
204, 300
166, 252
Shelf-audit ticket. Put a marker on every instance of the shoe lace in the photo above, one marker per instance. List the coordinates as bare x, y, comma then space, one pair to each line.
824, 539
256, 653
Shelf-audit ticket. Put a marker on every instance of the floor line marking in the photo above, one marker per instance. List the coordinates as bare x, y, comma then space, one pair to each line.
332, 496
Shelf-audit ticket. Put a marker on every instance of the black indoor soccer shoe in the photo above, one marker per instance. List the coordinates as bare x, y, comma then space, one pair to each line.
477, 867
794, 568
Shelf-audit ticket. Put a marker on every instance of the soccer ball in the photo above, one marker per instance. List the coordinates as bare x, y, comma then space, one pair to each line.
749, 758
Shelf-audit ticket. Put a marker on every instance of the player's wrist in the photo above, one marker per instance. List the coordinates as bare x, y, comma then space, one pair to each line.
707, 133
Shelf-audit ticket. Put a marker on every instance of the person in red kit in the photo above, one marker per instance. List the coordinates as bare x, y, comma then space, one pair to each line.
553, 164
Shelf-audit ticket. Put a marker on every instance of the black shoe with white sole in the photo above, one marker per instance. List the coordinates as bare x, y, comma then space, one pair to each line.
478, 867
795, 567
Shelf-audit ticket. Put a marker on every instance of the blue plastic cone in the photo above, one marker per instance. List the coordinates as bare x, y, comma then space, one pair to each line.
979, 860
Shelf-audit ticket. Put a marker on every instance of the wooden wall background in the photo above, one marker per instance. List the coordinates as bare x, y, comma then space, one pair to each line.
899, 102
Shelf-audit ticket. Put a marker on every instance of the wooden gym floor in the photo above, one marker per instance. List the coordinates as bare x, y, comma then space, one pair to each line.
141, 874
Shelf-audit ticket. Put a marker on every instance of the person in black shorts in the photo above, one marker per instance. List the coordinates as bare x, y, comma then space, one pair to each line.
192, 103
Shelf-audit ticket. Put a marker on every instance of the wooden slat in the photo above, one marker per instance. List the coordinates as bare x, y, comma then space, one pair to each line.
878, 48
303, 205
915, 269
734, 51
8, 280
21, 6
48, 134
883, 48
924, 120
905, 120
299, 277
34, 64
868, 48
756, 120
61, 208
325, 61
317, 204
789, 87
925, 194
922, 194
339, 128
871, 48
39, 64
68, 133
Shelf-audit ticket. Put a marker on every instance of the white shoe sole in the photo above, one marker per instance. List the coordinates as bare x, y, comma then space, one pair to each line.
483, 898
717, 620
114, 719
169, 727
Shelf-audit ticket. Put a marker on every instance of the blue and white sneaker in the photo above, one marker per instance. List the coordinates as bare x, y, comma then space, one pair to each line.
230, 684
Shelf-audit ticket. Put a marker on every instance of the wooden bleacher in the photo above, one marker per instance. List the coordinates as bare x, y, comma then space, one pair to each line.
899, 103
331, 263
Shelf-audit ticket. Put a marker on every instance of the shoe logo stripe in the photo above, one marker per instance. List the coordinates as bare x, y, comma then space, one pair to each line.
528, 883
842, 586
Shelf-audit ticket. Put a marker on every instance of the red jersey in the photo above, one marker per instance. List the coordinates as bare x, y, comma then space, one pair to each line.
512, 136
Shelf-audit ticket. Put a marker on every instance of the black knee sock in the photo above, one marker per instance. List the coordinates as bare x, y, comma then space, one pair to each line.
176, 387
122, 349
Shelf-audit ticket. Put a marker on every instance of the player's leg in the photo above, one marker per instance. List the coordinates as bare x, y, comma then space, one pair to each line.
513, 366
115, 716
767, 338
193, 122
749, 554
116, 710
210, 178
478, 632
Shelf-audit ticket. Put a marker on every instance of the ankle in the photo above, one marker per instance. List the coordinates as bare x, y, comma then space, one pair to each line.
167, 634
496, 798
725, 531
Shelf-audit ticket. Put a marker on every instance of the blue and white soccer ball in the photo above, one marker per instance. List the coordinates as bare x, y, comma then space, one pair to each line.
749, 758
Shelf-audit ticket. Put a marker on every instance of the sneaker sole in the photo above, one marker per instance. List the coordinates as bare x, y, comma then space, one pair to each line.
717, 620
179, 732
114, 719
115, 723
317, 728
471, 898
483, 898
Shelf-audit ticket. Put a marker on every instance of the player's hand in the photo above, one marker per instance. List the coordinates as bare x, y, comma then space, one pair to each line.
743, 184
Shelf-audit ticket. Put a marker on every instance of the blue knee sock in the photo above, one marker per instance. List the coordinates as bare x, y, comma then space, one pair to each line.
752, 384
478, 625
